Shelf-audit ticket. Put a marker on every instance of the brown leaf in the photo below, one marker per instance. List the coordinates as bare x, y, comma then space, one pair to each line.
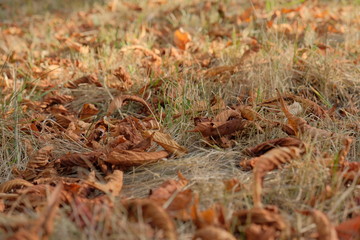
86, 160
213, 129
41, 157
129, 158
124, 78
213, 216
166, 141
87, 111
299, 125
270, 144
42, 227
167, 189
89, 79
181, 38
262, 223
226, 115
118, 102
213, 233
269, 161
177, 202
349, 230
152, 214
113, 186
14, 184
324, 227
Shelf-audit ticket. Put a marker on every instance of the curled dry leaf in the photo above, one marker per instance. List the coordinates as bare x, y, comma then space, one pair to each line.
166, 141
87, 111
349, 230
270, 144
167, 189
41, 157
86, 160
213, 233
325, 229
213, 216
124, 78
14, 184
269, 161
152, 214
89, 79
181, 38
42, 227
114, 183
177, 202
262, 223
129, 158
213, 129
300, 126
226, 115
118, 102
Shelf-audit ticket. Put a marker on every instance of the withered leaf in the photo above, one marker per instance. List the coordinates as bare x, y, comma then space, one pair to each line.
41, 157
42, 227
213, 233
262, 222
129, 158
226, 115
89, 79
213, 216
270, 144
14, 184
324, 227
299, 125
181, 38
270, 161
114, 183
118, 102
211, 129
152, 214
87, 111
166, 141
79, 159
349, 230
168, 188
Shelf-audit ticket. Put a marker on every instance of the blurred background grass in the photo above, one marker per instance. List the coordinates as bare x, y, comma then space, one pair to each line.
19, 9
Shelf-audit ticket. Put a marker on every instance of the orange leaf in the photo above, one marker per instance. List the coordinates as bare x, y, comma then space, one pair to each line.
181, 38
350, 229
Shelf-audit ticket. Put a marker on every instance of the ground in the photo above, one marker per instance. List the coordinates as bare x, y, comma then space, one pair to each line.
165, 119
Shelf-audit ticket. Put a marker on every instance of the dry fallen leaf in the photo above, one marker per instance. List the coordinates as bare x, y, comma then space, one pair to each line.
349, 230
181, 38
262, 223
270, 144
87, 111
14, 184
118, 102
269, 161
213, 233
153, 214
113, 186
325, 229
166, 141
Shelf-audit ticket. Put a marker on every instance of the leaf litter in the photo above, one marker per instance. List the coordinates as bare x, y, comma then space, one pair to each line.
141, 109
